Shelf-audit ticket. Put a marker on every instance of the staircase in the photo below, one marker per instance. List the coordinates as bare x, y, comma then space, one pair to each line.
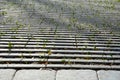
51, 47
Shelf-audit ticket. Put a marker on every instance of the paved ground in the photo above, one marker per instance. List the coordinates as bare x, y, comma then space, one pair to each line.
10, 74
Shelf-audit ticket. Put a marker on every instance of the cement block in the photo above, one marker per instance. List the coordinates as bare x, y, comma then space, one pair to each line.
108, 75
7, 74
35, 75
76, 75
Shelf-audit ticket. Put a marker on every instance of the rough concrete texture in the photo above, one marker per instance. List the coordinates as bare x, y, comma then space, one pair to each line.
32, 74
76, 75
35, 75
108, 75
7, 74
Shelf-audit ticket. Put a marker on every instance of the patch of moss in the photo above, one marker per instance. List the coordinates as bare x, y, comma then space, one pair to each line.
118, 0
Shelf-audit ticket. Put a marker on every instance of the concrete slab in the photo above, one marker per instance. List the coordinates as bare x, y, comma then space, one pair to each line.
35, 75
76, 75
108, 75
7, 74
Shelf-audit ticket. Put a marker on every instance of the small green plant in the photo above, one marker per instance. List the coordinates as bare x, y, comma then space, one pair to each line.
55, 30
76, 44
45, 43
69, 26
49, 51
10, 45
30, 36
109, 42
1, 34
118, 0
69, 62
90, 38
95, 47
13, 36
3, 13
63, 61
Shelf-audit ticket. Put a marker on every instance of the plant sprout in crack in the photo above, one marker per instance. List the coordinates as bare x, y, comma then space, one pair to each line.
10, 46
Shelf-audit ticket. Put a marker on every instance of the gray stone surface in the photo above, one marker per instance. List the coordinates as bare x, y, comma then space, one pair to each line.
7, 74
32, 74
76, 75
108, 75
35, 75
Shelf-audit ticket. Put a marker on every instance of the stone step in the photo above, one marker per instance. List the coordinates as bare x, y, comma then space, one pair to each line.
60, 66
59, 56
74, 47
59, 51
60, 41
77, 44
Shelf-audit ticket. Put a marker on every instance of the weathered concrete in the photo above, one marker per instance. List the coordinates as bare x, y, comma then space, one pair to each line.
76, 75
35, 75
7, 74
32, 74
108, 75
